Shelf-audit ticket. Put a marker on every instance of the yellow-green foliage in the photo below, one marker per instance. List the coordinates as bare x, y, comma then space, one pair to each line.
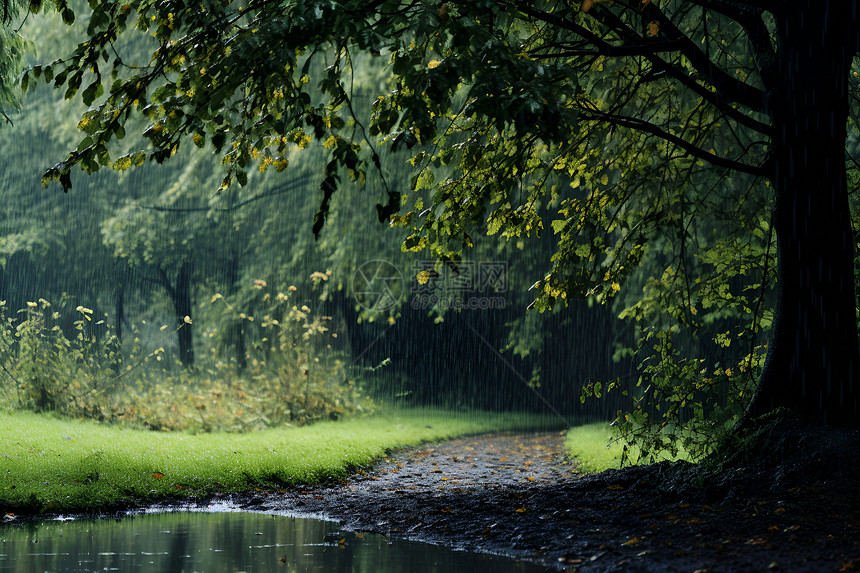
597, 447
54, 464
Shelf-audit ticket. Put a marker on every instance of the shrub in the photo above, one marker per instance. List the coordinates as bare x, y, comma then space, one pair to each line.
291, 376
49, 370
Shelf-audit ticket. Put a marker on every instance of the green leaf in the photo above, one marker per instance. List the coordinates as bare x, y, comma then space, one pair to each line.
241, 177
93, 91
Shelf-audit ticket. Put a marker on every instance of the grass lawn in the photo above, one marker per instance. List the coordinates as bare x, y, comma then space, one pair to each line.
50, 464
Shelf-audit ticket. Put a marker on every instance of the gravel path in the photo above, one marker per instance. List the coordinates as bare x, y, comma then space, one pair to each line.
492, 461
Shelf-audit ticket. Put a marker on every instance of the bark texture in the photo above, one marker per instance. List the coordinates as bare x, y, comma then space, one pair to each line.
813, 356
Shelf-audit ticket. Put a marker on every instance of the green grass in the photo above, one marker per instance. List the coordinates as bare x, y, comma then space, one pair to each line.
596, 448
61, 465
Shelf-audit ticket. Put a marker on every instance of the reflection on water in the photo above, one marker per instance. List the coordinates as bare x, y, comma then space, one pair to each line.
207, 542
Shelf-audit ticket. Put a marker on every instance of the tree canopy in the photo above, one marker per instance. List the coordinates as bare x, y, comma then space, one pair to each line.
619, 127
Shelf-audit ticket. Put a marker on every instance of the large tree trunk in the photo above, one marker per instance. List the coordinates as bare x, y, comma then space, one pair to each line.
813, 355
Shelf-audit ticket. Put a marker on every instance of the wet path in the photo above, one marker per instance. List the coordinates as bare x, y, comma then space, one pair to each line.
488, 461
484, 493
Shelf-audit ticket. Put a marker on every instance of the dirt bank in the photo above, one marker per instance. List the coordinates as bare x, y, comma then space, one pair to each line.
517, 495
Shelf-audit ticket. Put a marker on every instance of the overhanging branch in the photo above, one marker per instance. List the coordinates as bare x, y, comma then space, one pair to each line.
730, 89
690, 148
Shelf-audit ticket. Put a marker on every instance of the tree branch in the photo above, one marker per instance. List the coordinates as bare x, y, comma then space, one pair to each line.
749, 17
737, 11
729, 88
689, 148
713, 98
279, 190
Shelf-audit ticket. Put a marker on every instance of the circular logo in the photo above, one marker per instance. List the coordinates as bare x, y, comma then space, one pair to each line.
377, 285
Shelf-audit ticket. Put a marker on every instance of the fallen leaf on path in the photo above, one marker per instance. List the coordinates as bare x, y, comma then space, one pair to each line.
520, 510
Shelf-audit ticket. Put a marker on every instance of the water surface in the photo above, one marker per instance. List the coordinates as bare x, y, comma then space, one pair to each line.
236, 541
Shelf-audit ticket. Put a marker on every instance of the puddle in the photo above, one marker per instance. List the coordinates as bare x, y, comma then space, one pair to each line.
236, 541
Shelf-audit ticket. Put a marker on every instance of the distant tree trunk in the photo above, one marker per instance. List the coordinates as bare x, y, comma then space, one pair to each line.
182, 303
236, 329
813, 355
120, 311
119, 314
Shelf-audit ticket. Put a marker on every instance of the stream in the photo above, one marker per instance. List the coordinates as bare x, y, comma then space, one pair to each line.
224, 541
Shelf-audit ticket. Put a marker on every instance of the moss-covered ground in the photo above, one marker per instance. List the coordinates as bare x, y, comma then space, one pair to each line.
51, 464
